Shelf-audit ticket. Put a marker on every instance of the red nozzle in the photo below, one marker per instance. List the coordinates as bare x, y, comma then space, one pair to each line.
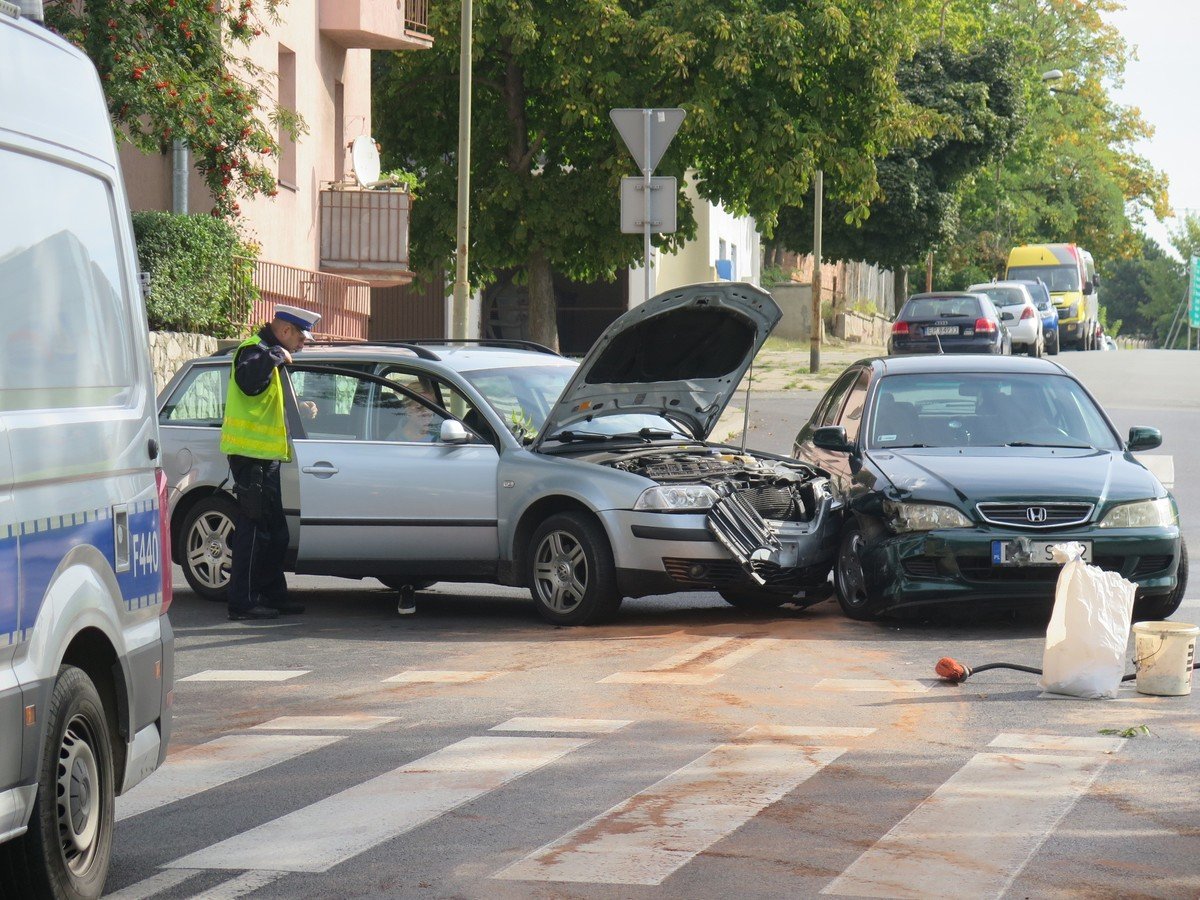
951, 669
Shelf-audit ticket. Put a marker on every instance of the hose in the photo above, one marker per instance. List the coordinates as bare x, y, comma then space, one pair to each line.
955, 672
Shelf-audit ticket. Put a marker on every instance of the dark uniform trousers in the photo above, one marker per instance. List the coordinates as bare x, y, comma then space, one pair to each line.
260, 538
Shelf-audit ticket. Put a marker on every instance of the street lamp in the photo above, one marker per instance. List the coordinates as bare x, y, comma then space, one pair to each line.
458, 307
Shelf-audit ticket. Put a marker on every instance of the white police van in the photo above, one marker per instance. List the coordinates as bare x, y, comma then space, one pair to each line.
86, 652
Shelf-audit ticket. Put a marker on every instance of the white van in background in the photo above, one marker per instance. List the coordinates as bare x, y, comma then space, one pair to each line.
86, 650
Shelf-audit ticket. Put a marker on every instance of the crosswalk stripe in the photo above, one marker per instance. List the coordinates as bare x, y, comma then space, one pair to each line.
581, 726
246, 883
330, 831
882, 685
350, 722
246, 675
210, 765
974, 834
744, 652
652, 834
1044, 742
661, 678
441, 676
158, 883
683, 657
809, 732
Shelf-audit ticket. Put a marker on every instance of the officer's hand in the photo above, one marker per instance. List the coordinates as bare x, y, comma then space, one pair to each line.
309, 408
287, 357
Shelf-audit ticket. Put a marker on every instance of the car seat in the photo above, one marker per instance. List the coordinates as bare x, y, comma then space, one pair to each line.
896, 423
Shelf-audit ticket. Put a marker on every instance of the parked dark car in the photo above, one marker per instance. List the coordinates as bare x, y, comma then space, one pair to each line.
949, 322
956, 474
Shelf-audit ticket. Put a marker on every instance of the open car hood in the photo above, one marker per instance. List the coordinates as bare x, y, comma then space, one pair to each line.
681, 355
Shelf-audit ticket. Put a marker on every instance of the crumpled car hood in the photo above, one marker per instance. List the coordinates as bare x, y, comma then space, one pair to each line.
681, 355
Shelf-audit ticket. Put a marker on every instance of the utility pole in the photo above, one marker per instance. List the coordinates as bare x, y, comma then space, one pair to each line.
458, 309
929, 272
814, 331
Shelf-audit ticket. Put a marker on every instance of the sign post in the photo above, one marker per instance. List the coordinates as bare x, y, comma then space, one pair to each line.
1194, 292
647, 133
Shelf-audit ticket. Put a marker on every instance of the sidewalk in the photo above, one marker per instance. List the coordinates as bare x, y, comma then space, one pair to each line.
782, 366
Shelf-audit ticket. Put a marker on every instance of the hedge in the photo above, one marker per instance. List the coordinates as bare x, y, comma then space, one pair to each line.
190, 260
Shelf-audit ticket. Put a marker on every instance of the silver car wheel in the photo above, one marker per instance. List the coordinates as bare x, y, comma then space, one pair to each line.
560, 571
79, 797
207, 547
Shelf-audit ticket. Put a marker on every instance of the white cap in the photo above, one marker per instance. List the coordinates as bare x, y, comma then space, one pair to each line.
303, 319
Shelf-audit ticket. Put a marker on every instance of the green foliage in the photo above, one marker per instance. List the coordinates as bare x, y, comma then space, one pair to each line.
190, 260
171, 69
410, 181
773, 275
1145, 292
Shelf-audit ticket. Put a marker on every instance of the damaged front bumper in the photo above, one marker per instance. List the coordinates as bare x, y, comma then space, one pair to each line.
790, 553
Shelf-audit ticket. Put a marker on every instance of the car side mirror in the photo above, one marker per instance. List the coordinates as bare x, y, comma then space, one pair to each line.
1087, 288
1143, 437
833, 438
453, 432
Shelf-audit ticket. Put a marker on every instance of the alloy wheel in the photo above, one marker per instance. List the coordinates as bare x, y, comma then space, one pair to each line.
560, 571
207, 548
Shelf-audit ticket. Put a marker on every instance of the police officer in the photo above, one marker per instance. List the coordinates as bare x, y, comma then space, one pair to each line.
254, 437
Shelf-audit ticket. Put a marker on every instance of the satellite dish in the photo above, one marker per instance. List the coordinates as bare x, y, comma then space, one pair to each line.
365, 156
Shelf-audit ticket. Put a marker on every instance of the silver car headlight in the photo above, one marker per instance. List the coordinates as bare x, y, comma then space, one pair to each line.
925, 516
1142, 514
676, 498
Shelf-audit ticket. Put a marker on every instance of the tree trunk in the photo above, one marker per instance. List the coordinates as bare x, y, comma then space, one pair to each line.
543, 311
899, 288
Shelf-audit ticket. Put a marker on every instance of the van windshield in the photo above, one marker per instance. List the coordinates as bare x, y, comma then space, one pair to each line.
1057, 278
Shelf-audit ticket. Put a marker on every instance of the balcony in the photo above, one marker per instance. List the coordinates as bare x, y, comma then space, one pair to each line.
364, 234
344, 303
377, 24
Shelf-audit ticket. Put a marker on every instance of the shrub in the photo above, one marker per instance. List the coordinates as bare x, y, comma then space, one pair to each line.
190, 260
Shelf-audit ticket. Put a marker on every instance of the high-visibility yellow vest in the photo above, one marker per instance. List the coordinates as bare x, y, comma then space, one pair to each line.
255, 425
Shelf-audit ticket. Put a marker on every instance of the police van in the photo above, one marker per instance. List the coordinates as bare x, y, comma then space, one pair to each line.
86, 650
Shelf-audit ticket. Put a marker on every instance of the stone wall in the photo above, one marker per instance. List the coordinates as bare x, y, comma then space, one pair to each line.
169, 350
796, 302
854, 326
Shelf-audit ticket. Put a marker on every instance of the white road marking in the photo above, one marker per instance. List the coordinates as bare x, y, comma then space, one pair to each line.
246, 883
351, 722
231, 626
883, 685
661, 678
657, 831
729, 660
581, 726
158, 883
330, 831
441, 676
1044, 742
974, 834
210, 765
683, 657
809, 732
246, 675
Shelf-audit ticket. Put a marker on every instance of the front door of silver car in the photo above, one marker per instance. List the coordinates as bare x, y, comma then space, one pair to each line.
384, 488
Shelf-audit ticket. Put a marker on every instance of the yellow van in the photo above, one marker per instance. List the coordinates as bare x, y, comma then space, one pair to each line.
1070, 274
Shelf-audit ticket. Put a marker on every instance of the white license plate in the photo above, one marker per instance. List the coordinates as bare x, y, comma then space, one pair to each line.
1012, 553
942, 330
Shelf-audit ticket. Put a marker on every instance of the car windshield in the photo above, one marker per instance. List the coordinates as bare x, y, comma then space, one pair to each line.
522, 395
1001, 296
940, 308
973, 409
1057, 278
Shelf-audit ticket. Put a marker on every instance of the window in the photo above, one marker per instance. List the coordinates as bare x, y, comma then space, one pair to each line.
199, 400
833, 402
66, 327
344, 407
522, 395
851, 418
448, 397
287, 100
339, 130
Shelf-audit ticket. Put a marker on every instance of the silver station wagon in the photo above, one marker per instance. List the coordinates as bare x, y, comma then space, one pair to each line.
505, 463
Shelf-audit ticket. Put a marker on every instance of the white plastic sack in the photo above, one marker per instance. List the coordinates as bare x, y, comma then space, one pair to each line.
1089, 629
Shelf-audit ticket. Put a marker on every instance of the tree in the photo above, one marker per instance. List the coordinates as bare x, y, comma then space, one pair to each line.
1145, 291
772, 89
171, 69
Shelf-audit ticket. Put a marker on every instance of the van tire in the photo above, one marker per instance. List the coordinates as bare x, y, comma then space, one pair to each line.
206, 551
67, 850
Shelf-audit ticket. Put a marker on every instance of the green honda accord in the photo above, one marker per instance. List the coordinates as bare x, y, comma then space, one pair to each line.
956, 475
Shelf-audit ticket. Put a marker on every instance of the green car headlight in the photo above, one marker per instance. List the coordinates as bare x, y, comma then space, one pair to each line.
925, 516
676, 498
1142, 514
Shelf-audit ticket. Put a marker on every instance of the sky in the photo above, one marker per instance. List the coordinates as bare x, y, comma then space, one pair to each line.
1164, 83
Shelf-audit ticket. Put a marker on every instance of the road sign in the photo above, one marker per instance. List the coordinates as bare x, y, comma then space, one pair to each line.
662, 205
1194, 294
647, 150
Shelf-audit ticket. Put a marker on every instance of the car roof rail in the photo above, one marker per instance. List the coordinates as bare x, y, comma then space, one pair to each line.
418, 351
513, 343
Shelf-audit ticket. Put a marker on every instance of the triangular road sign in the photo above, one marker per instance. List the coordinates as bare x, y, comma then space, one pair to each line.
631, 124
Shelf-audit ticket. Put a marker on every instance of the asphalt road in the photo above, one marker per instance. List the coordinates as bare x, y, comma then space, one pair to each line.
687, 750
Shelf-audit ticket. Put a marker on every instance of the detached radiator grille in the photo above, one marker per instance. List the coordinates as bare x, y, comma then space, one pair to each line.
770, 502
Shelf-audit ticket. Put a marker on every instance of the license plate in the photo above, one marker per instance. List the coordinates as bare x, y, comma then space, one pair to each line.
942, 330
1013, 553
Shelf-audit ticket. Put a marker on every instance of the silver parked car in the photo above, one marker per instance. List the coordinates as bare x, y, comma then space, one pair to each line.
505, 463
1018, 311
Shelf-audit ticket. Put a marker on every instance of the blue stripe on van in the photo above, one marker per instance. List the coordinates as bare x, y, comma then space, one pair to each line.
42, 544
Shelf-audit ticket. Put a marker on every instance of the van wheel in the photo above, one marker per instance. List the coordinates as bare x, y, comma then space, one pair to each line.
849, 577
570, 571
67, 849
207, 546
1155, 609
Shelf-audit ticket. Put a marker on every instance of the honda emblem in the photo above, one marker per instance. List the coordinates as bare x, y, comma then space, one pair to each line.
1036, 514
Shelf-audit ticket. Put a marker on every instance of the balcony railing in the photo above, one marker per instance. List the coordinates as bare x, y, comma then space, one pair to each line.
344, 303
416, 16
364, 234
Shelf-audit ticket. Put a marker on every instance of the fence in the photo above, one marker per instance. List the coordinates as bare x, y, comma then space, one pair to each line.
344, 303
416, 15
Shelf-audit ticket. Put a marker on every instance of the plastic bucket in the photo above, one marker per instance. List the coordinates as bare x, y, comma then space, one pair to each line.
1163, 653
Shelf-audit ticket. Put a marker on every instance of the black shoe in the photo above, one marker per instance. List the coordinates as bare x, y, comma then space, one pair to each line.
408, 601
286, 607
254, 612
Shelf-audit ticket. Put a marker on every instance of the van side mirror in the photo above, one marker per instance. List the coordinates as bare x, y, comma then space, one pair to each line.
1087, 288
453, 432
1142, 437
833, 438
